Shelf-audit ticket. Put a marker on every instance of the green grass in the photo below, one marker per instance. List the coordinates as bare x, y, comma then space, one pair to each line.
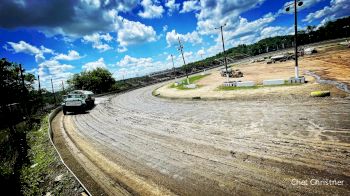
229, 88
41, 154
38, 177
192, 80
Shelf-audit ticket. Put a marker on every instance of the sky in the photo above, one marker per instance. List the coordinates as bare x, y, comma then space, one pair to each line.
57, 38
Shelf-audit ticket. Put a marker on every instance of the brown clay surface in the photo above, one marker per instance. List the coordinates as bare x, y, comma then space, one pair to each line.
136, 143
140, 144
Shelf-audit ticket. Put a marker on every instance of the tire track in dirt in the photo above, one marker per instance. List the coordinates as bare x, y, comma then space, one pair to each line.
218, 147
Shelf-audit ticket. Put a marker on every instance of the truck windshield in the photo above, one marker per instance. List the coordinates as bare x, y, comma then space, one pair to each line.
74, 96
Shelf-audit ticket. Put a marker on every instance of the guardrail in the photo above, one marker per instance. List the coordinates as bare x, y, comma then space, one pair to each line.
50, 133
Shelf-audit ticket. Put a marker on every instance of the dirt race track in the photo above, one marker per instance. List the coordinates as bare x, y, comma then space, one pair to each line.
135, 143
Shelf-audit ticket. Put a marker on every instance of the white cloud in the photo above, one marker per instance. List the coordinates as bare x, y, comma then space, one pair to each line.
129, 61
191, 5
68, 18
52, 69
95, 64
172, 6
172, 38
99, 41
134, 33
325, 20
201, 52
72, 55
290, 4
165, 28
131, 66
337, 8
245, 27
272, 32
24, 47
151, 10
219, 12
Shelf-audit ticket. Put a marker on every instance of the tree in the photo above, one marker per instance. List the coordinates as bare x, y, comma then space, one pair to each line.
99, 80
11, 86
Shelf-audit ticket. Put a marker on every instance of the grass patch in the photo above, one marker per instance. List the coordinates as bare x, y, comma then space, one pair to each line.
229, 88
41, 157
38, 177
192, 80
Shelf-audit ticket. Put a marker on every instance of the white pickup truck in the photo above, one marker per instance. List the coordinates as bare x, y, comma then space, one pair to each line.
78, 101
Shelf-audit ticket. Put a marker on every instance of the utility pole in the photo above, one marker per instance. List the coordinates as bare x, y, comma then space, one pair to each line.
22, 77
223, 48
39, 84
173, 66
183, 58
62, 86
53, 91
39, 88
295, 40
24, 92
295, 43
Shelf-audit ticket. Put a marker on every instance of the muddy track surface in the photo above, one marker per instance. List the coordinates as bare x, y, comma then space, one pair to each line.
135, 143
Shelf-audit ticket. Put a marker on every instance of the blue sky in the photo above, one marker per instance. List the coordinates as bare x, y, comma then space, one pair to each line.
55, 39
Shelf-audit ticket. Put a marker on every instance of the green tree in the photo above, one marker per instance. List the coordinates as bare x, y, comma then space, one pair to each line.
99, 80
11, 86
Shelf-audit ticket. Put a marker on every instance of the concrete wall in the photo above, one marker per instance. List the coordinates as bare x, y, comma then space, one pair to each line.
273, 82
245, 83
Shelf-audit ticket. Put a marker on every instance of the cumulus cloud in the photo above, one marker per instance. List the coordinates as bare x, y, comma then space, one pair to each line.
99, 41
132, 66
214, 13
290, 4
189, 6
134, 33
151, 9
172, 37
201, 52
24, 47
172, 6
165, 28
245, 27
71, 18
129, 61
337, 8
53, 69
72, 55
47, 69
95, 64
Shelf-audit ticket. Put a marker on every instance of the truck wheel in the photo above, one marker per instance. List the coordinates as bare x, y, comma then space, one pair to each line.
64, 112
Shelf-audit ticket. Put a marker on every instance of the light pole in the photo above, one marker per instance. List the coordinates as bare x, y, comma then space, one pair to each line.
223, 48
173, 66
183, 58
300, 3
